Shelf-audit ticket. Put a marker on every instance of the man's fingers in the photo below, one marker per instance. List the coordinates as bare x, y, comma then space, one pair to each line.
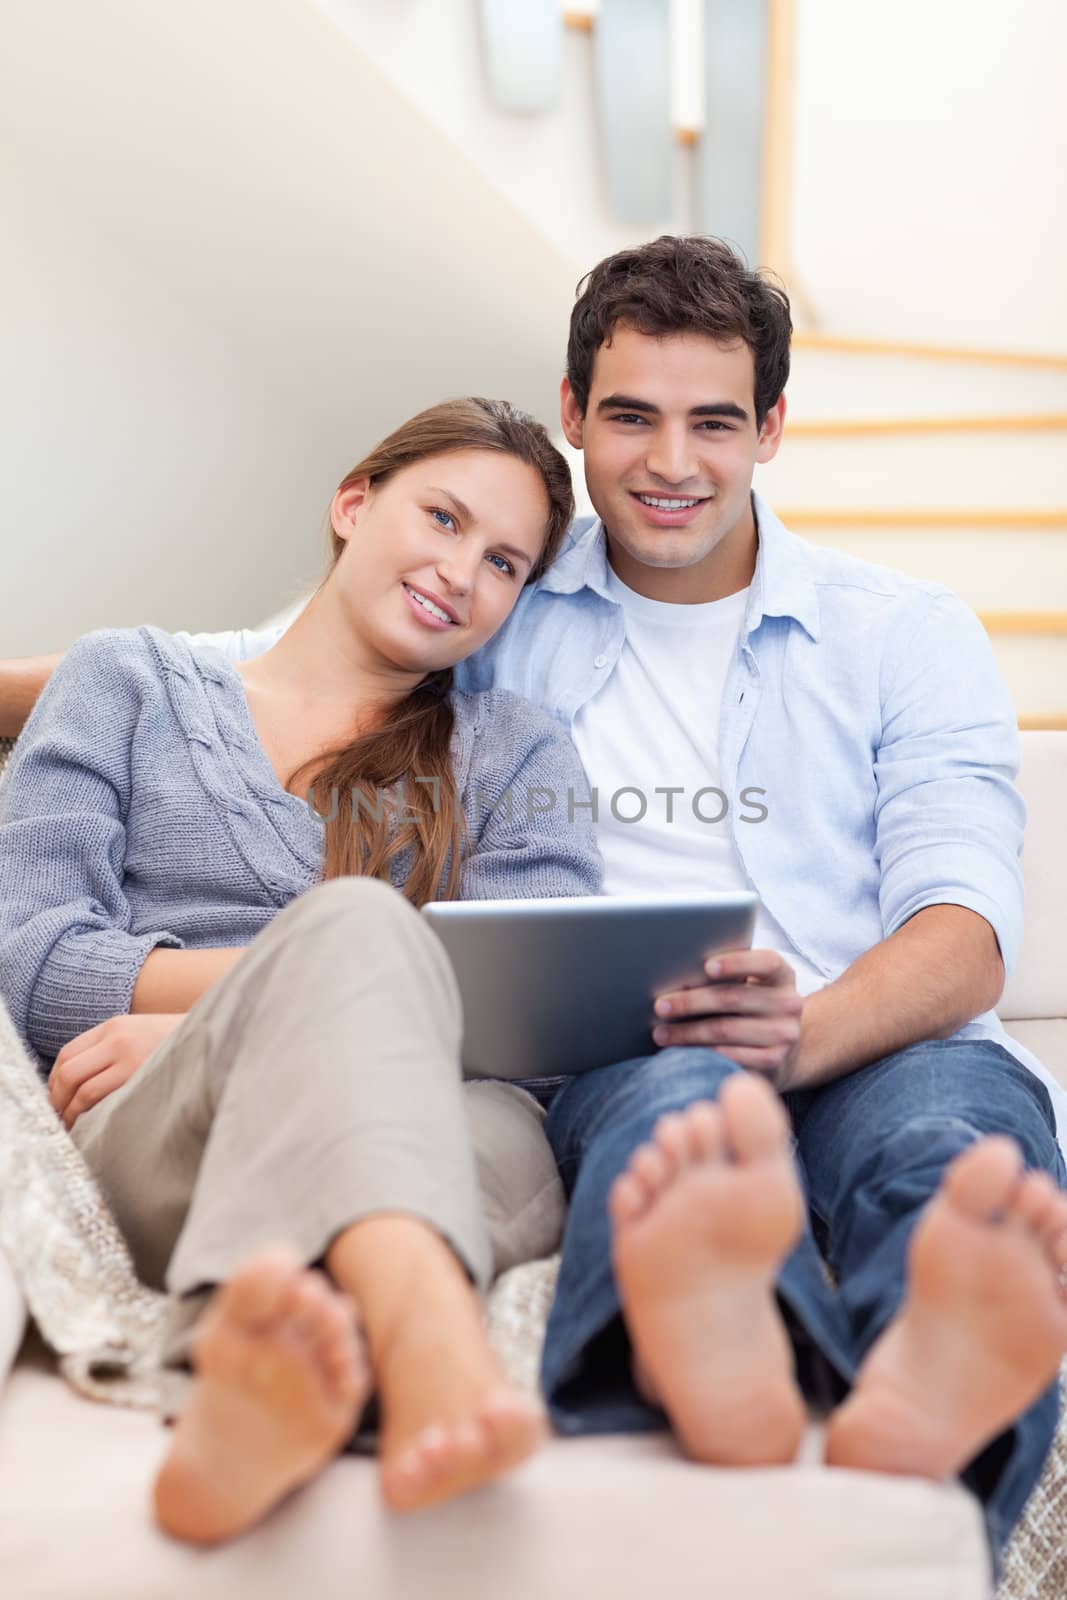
773, 1033
736, 965
769, 1062
92, 1091
739, 999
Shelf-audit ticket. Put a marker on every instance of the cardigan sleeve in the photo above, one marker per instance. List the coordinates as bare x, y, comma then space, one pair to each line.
537, 838
68, 957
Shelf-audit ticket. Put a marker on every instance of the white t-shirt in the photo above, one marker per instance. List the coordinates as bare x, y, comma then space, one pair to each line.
655, 726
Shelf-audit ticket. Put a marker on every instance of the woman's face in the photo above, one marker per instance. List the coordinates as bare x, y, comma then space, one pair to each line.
437, 555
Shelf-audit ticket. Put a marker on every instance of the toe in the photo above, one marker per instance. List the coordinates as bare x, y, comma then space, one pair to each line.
337, 1344
754, 1118
672, 1140
981, 1181
514, 1426
705, 1131
626, 1200
651, 1168
1056, 1222
257, 1294
1057, 1249
1034, 1202
308, 1308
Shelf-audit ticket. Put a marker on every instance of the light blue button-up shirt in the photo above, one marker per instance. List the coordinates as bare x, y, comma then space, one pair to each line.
869, 707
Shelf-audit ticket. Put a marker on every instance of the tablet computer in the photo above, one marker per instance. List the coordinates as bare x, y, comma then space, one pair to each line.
557, 987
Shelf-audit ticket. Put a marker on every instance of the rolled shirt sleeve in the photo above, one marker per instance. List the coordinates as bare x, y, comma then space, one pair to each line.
949, 821
69, 958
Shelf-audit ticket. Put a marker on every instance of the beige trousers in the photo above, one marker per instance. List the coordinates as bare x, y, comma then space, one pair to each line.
316, 1083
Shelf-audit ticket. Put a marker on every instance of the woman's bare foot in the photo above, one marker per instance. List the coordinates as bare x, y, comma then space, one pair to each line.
703, 1220
281, 1379
452, 1421
982, 1330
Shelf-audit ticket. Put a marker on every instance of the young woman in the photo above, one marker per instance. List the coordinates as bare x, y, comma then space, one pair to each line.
208, 877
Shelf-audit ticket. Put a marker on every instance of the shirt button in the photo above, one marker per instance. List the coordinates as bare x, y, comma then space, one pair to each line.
600, 661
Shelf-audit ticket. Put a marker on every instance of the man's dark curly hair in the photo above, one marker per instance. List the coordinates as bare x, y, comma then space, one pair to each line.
692, 284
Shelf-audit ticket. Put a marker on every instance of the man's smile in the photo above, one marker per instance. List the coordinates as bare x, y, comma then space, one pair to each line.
669, 511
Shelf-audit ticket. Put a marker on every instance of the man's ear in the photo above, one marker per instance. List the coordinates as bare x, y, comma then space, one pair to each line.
571, 417
770, 433
344, 507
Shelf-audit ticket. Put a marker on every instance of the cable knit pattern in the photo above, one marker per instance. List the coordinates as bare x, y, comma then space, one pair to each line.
140, 809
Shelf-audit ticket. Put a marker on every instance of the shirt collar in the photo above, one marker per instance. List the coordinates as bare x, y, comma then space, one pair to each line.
782, 584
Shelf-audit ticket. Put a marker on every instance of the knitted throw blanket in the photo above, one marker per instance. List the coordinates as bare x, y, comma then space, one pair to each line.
72, 1265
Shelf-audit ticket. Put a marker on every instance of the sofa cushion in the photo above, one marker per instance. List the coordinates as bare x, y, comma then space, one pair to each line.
1038, 986
625, 1517
1046, 1037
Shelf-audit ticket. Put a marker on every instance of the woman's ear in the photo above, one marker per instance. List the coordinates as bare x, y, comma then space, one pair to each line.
345, 507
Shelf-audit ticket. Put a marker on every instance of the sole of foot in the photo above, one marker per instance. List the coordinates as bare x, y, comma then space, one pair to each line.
982, 1330
281, 1379
702, 1220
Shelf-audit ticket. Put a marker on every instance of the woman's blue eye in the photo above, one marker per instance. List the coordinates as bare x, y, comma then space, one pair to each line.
505, 564
446, 514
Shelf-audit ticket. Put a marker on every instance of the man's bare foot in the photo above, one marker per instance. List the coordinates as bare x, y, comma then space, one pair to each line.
982, 1330
281, 1379
452, 1421
703, 1220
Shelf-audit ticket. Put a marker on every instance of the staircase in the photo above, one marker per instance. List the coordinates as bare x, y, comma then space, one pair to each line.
949, 466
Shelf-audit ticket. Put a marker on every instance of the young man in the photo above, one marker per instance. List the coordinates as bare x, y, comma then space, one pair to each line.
753, 711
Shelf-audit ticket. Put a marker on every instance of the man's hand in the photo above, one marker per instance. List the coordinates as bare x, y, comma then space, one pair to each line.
751, 1013
102, 1058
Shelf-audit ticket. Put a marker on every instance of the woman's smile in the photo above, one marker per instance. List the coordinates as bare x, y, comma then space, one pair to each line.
431, 613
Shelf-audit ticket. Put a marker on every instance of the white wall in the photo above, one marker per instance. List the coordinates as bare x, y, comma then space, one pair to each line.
236, 258
931, 143
148, 469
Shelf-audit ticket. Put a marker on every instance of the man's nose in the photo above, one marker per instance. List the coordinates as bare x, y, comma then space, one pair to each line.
671, 457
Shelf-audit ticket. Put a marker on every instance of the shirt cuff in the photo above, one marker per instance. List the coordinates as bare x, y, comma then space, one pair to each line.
87, 978
997, 909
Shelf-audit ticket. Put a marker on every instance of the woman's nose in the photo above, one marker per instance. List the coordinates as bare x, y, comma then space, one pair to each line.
457, 573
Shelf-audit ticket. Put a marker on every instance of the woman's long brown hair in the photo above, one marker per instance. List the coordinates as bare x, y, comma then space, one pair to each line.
423, 831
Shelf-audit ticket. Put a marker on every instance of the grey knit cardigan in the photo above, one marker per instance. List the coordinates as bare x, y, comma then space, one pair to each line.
140, 809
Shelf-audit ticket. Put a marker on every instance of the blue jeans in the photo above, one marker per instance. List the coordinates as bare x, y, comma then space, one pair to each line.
870, 1150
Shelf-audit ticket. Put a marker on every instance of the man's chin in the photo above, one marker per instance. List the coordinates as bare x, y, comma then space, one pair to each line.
667, 551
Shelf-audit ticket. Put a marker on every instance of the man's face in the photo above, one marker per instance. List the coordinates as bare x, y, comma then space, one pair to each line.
671, 419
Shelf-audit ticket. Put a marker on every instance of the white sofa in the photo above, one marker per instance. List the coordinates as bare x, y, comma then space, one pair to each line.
621, 1517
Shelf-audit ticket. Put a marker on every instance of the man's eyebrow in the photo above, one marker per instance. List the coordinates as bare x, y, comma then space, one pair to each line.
468, 515
717, 408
